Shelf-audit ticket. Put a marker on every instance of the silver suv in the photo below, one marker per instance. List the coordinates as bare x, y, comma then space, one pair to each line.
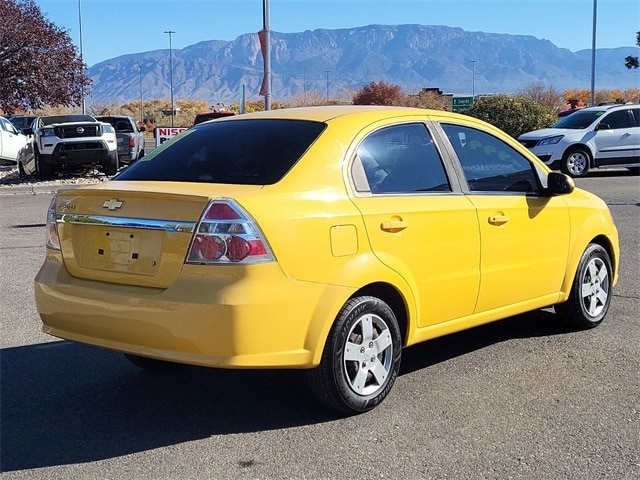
604, 136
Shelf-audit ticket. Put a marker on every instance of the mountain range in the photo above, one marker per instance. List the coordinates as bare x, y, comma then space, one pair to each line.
336, 62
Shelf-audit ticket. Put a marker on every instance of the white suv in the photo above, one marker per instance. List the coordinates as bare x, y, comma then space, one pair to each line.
604, 136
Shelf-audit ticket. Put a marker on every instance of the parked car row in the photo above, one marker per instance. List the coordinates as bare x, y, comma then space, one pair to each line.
63, 141
594, 137
42, 145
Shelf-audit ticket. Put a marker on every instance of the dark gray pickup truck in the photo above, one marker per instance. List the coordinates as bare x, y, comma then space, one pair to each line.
130, 139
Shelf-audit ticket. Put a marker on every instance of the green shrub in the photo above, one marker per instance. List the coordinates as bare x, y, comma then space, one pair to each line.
514, 115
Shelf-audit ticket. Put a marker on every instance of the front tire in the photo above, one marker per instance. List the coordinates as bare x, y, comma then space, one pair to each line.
361, 357
575, 162
111, 168
44, 171
590, 295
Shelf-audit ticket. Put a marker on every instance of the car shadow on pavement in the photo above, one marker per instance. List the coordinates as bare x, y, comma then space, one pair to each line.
539, 323
67, 403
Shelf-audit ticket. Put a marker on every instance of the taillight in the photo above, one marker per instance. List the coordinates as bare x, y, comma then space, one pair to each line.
53, 240
132, 141
226, 234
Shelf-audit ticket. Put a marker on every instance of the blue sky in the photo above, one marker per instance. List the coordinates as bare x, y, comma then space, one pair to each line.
111, 28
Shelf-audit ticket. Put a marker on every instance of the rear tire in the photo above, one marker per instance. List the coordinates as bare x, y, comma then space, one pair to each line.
590, 295
576, 162
361, 357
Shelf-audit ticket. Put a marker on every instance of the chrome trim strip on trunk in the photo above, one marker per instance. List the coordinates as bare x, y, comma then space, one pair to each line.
124, 222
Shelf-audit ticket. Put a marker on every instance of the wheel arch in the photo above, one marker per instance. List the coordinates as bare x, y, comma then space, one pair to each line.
392, 297
574, 260
325, 316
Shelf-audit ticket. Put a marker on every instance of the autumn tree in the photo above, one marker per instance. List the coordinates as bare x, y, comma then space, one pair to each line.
379, 93
546, 95
39, 65
631, 61
429, 98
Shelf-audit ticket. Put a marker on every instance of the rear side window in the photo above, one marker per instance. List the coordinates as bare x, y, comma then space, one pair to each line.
245, 152
402, 159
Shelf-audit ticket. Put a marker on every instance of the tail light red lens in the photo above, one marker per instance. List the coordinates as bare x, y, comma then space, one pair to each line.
227, 234
53, 240
211, 247
132, 141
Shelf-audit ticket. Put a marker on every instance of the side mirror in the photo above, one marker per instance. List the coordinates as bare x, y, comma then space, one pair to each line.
142, 129
603, 126
559, 184
27, 131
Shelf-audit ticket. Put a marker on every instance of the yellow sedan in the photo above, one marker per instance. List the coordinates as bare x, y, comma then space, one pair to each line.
324, 238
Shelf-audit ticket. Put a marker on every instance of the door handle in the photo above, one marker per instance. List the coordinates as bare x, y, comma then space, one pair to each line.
394, 225
499, 219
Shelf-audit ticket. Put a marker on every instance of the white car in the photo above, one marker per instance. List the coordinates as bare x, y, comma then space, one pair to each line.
604, 136
11, 141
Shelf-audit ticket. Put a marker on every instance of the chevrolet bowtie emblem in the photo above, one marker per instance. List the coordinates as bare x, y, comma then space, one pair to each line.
112, 204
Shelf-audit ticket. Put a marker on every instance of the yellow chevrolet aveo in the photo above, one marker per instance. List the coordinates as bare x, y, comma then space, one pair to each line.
324, 238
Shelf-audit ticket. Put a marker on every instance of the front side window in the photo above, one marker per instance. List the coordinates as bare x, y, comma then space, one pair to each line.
489, 164
402, 159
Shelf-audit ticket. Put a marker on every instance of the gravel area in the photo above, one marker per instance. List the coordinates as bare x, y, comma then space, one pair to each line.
9, 177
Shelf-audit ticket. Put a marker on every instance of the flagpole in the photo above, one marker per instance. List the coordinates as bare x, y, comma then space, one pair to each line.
267, 56
593, 55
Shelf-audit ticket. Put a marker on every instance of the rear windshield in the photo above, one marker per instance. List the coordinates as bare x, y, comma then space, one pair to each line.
119, 124
245, 152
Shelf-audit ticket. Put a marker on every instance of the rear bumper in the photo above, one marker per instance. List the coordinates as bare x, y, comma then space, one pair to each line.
251, 317
125, 156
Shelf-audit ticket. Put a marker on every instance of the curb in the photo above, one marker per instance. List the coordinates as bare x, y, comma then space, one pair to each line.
6, 190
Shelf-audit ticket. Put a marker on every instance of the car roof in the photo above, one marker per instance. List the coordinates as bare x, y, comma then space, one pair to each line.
327, 113
610, 106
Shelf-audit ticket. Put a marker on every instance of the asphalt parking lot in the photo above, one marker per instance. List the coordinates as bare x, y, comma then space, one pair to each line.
523, 398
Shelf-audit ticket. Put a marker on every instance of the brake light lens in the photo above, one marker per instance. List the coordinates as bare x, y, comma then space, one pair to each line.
227, 234
53, 240
132, 141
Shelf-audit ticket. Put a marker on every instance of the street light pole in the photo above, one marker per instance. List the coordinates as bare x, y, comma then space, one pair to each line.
473, 80
327, 72
593, 54
141, 111
173, 110
266, 28
81, 60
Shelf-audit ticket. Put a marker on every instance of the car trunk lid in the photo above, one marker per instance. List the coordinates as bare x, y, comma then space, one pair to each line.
135, 234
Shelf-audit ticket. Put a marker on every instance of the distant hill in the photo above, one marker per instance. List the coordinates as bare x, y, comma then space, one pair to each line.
412, 56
